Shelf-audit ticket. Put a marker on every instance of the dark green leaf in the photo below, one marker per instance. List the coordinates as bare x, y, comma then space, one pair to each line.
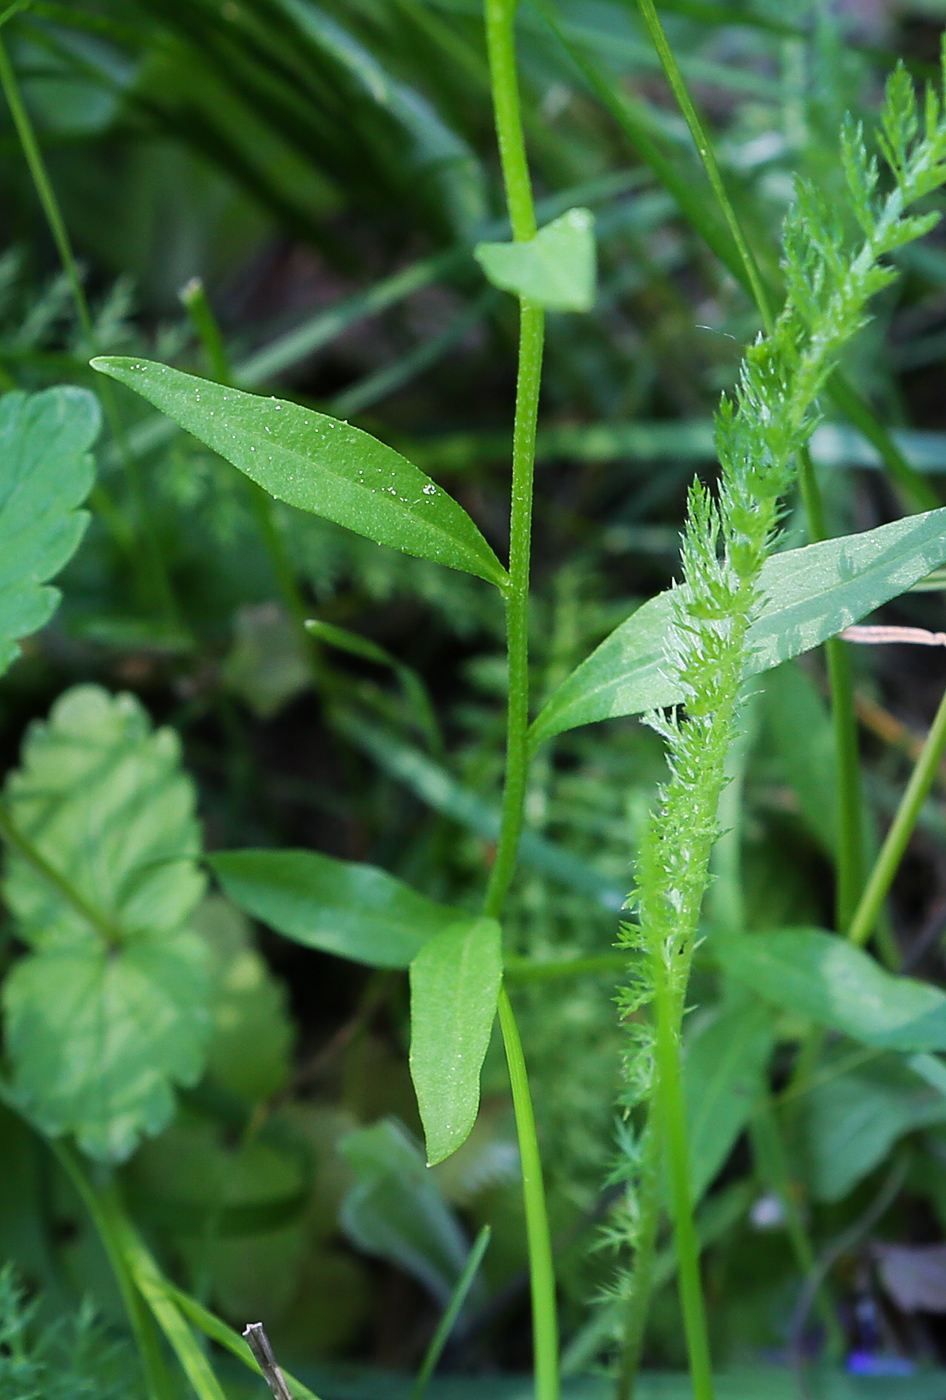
46, 471
354, 911
455, 981
555, 269
111, 1008
318, 464
823, 977
810, 594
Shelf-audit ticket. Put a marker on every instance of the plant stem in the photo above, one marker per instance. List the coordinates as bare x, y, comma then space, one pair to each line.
150, 558
157, 1380
541, 1271
895, 842
501, 46
645, 1257
850, 855
673, 1120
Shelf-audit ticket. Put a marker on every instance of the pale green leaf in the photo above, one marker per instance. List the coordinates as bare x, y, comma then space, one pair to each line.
455, 981
824, 977
46, 472
396, 1210
810, 594
318, 464
111, 1008
723, 1072
353, 911
555, 269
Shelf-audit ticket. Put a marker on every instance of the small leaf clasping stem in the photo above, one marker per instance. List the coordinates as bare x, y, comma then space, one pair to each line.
500, 38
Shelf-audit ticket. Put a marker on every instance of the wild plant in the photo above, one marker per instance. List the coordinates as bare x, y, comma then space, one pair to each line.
102, 874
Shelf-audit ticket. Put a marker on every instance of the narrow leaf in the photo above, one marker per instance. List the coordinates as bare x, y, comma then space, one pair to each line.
555, 269
827, 979
354, 911
455, 982
810, 594
318, 464
46, 471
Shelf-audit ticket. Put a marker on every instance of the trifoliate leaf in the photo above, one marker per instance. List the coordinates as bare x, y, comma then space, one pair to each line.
112, 1007
46, 471
555, 269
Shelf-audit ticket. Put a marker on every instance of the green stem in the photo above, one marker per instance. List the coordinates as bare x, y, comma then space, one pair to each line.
850, 855
501, 46
645, 1258
14, 838
157, 1380
531, 334
895, 843
157, 580
447, 1322
708, 158
673, 1119
541, 1270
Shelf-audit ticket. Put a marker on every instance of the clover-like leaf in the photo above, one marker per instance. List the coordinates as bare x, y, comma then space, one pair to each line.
555, 269
111, 1008
319, 464
46, 472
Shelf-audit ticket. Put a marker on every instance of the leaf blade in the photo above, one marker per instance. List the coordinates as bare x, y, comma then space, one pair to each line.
811, 594
555, 269
354, 911
46, 472
318, 464
455, 981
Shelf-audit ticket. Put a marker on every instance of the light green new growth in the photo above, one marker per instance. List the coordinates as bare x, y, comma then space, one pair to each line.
758, 435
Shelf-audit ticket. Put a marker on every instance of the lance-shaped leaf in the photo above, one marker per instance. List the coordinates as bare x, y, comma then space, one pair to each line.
555, 269
354, 911
455, 981
46, 471
318, 464
826, 978
111, 1008
809, 594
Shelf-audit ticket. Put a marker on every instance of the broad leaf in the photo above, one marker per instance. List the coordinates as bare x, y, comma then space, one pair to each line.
723, 1078
354, 911
823, 977
854, 1120
455, 981
46, 471
810, 594
111, 1009
555, 269
396, 1210
318, 464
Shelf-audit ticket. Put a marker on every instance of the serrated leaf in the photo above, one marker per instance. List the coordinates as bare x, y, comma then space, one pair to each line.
810, 595
46, 472
455, 981
318, 464
354, 911
555, 269
824, 977
111, 1008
